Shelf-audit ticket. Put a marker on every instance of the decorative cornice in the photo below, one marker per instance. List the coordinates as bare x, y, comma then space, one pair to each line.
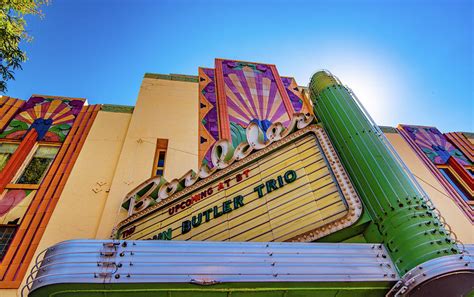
177, 77
388, 129
117, 108
468, 134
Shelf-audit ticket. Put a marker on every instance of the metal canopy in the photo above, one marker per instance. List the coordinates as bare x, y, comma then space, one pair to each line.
115, 267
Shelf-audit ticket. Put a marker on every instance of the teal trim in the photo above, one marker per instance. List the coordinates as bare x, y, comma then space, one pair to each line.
117, 108
177, 77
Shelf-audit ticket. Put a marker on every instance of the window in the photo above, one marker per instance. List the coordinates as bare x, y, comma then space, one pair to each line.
6, 237
456, 184
6, 151
160, 157
38, 165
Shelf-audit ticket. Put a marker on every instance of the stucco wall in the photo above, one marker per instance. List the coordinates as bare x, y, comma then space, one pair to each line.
459, 223
164, 109
80, 207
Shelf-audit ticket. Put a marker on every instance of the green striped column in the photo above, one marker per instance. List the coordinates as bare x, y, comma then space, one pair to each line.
410, 229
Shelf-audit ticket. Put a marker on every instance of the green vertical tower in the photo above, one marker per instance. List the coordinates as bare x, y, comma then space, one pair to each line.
404, 216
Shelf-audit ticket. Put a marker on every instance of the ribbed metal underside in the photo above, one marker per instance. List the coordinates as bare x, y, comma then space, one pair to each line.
209, 263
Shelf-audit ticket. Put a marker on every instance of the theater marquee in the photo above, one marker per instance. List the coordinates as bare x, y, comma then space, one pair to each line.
294, 189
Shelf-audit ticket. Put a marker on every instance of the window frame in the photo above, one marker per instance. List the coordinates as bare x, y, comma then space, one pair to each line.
9, 141
456, 182
4, 251
161, 147
13, 183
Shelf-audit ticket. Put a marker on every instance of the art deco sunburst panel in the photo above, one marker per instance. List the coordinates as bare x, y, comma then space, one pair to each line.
237, 93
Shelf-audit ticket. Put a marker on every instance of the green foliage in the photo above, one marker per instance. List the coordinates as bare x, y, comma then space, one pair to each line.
34, 171
15, 125
61, 130
12, 31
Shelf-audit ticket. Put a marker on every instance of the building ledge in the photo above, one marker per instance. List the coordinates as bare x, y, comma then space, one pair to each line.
177, 77
117, 108
388, 129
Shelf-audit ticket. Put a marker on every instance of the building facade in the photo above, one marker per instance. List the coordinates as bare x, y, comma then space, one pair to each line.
236, 154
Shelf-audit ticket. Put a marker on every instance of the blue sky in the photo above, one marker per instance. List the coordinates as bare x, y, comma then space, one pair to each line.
408, 61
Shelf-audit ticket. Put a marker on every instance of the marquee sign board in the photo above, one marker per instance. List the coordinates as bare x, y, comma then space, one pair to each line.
293, 190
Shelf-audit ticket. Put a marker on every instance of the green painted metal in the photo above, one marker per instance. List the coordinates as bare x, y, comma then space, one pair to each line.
356, 230
177, 77
407, 224
117, 108
356, 289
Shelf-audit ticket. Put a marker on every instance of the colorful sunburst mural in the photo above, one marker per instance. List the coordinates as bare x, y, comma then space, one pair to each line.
434, 144
51, 117
237, 93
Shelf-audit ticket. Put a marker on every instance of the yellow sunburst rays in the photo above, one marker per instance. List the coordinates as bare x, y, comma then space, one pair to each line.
278, 104
246, 109
249, 75
266, 83
26, 117
241, 114
57, 110
37, 111
54, 110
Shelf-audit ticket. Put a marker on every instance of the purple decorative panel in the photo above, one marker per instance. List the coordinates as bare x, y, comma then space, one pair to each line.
237, 93
434, 144
51, 117
296, 98
252, 95
208, 126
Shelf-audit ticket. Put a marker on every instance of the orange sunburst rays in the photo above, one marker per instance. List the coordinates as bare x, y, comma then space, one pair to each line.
56, 110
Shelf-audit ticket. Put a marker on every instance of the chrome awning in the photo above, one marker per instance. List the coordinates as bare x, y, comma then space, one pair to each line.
99, 264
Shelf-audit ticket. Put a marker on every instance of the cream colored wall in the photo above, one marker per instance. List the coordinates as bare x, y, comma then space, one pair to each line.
459, 223
118, 155
77, 215
164, 109
10, 292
